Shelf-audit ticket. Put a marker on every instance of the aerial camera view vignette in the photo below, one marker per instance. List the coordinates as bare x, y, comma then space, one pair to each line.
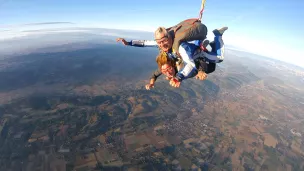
200, 85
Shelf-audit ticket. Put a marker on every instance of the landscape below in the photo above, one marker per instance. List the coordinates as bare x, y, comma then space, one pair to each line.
87, 109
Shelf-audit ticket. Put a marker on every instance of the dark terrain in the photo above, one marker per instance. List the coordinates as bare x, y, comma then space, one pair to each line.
87, 109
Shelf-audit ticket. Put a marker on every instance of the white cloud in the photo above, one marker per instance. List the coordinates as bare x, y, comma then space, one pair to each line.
17, 31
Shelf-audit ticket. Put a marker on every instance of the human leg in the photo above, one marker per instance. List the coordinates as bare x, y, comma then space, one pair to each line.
218, 47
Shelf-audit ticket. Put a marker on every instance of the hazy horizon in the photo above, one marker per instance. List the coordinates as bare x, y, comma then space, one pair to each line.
264, 27
30, 40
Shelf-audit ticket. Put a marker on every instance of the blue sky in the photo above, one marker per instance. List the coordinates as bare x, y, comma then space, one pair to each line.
267, 27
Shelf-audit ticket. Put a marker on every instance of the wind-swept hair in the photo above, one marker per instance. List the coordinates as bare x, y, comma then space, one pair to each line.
163, 59
161, 30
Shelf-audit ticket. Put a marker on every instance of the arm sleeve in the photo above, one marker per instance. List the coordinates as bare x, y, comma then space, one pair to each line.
143, 43
186, 51
210, 68
205, 66
156, 74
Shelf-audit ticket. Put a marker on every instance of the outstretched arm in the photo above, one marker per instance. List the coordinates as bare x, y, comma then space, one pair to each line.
138, 43
153, 78
204, 67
